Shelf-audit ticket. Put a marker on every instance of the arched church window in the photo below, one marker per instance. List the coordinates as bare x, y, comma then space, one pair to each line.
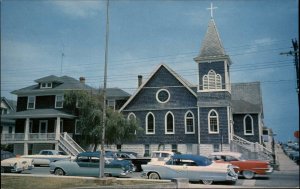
248, 125
169, 123
212, 81
189, 123
213, 122
150, 123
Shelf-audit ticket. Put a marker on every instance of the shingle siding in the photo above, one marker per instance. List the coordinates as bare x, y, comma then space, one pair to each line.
238, 127
205, 137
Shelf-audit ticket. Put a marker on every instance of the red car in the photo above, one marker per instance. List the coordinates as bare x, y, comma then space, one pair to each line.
247, 168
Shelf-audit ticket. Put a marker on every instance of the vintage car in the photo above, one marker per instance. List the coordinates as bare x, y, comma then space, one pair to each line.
247, 168
45, 157
87, 164
10, 163
193, 167
160, 157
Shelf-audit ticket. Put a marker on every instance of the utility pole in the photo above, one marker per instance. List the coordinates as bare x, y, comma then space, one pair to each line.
102, 152
295, 53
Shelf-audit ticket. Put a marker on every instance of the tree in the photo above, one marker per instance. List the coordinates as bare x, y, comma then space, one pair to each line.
90, 107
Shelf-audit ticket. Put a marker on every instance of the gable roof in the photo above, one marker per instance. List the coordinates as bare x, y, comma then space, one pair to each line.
246, 98
12, 104
184, 82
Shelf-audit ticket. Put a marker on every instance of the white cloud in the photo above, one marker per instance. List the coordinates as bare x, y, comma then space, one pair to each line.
79, 9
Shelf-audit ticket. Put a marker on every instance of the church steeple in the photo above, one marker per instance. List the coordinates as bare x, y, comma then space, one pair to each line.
212, 47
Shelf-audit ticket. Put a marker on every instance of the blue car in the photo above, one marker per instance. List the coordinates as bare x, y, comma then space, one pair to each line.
87, 164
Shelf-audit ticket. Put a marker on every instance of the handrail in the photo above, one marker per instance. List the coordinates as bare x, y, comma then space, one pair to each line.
70, 139
68, 146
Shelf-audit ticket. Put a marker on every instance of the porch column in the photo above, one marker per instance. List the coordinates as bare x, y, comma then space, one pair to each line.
26, 136
57, 132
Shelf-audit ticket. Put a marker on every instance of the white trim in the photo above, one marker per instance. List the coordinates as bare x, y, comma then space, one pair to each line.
34, 99
260, 128
76, 125
208, 119
166, 123
252, 128
146, 124
131, 114
160, 90
185, 119
198, 112
47, 86
62, 101
228, 124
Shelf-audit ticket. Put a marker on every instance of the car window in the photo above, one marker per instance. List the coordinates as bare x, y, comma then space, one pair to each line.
82, 159
44, 152
231, 158
61, 153
94, 160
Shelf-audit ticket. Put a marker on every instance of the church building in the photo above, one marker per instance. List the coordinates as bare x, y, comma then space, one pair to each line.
196, 118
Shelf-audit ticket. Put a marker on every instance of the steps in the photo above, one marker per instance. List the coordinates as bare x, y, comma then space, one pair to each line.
67, 144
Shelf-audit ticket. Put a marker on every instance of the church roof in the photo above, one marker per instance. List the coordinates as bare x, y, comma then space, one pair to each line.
212, 47
246, 98
184, 82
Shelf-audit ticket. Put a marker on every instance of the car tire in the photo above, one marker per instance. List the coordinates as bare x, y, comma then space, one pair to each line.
59, 171
153, 176
207, 182
248, 174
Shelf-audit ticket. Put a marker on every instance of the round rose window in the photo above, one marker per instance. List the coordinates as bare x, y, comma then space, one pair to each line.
162, 96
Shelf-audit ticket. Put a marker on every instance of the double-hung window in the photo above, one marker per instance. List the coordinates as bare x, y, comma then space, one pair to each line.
31, 102
59, 101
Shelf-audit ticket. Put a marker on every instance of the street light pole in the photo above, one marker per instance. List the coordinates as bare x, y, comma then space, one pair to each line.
102, 152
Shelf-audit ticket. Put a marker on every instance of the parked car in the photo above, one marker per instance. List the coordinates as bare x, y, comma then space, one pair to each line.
10, 163
160, 157
136, 161
87, 164
193, 167
45, 157
247, 168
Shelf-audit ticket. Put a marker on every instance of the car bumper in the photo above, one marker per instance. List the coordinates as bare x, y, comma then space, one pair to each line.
11, 169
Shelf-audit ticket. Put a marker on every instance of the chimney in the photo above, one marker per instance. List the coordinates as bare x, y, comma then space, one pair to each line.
82, 80
140, 80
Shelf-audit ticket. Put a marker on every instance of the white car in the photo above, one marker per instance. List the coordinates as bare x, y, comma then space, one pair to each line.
45, 157
160, 157
13, 164
193, 167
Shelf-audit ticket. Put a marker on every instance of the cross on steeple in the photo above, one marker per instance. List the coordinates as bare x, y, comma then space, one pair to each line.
211, 10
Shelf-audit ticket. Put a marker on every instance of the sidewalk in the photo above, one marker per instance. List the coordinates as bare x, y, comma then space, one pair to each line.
286, 165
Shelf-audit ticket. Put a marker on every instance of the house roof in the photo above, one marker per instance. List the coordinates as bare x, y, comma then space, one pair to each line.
116, 93
50, 78
12, 104
65, 83
38, 113
184, 82
246, 98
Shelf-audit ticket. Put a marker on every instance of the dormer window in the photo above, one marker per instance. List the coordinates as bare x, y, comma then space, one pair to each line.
46, 85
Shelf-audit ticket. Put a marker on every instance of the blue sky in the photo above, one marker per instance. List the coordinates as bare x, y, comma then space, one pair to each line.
144, 34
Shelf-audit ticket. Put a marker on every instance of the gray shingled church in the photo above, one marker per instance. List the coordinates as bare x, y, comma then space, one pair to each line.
199, 119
